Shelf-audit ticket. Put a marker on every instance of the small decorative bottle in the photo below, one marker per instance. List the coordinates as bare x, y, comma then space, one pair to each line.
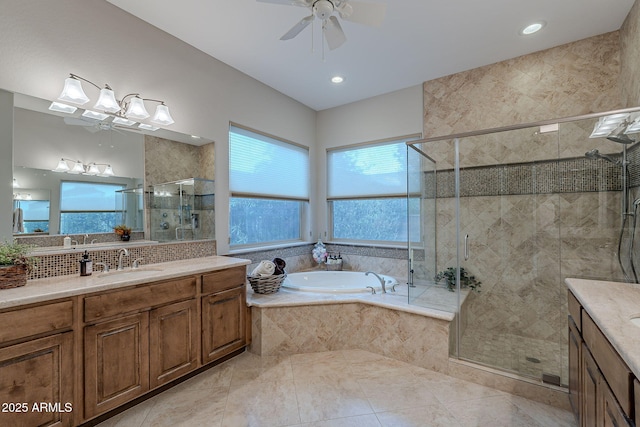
86, 265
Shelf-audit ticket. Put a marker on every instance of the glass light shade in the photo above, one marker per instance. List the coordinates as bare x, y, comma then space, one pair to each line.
28, 197
15, 183
78, 168
73, 92
107, 101
136, 109
121, 121
108, 171
94, 115
62, 108
162, 116
62, 166
147, 127
93, 169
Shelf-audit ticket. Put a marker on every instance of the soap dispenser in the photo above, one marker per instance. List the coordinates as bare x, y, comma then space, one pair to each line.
86, 265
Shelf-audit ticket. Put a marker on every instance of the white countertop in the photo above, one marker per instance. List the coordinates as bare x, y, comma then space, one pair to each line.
611, 305
51, 288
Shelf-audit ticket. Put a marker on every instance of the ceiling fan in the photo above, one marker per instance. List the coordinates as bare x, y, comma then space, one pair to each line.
94, 126
371, 14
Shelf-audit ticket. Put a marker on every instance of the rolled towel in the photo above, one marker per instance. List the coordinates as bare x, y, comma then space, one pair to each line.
280, 265
265, 268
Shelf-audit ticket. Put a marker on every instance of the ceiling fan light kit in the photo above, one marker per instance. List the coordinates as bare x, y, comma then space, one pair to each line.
371, 14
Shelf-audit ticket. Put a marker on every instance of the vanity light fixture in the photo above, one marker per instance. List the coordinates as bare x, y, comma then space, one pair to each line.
20, 196
15, 183
62, 108
147, 127
619, 123
94, 115
130, 106
79, 168
121, 121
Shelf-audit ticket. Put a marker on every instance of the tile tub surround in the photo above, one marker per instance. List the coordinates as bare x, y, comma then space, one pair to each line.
66, 262
611, 305
287, 323
335, 388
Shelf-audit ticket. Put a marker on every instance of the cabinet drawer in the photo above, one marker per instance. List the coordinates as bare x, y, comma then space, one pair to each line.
615, 371
143, 297
574, 310
636, 394
223, 279
26, 322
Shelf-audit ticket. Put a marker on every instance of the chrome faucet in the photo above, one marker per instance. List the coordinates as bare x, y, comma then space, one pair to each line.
384, 290
84, 239
105, 267
121, 253
136, 262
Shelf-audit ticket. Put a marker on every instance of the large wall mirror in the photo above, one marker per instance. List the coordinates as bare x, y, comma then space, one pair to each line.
51, 202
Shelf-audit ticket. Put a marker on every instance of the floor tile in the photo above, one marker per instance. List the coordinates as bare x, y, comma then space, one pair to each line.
321, 398
426, 416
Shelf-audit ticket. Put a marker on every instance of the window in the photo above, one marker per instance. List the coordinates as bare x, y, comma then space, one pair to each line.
89, 207
269, 184
35, 215
367, 193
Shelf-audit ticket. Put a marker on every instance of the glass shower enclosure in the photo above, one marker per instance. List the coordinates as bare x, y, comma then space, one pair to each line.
520, 209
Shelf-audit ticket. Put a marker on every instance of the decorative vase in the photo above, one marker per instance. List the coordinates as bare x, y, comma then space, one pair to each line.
13, 276
125, 237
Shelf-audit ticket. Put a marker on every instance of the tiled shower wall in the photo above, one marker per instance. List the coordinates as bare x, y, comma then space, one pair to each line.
518, 235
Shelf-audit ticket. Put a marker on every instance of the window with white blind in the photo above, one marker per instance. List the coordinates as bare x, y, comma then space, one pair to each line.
89, 207
269, 184
367, 192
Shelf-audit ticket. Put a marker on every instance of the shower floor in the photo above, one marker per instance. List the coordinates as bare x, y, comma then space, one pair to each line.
527, 357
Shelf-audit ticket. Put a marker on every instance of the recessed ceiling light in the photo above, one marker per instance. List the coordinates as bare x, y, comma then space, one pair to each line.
532, 28
337, 79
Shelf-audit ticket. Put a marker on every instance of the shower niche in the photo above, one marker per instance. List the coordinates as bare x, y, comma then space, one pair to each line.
182, 210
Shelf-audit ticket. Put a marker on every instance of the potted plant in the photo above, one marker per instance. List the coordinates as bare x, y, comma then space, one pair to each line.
15, 264
466, 280
123, 231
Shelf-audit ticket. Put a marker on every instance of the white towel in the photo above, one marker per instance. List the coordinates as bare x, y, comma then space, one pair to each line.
265, 268
18, 223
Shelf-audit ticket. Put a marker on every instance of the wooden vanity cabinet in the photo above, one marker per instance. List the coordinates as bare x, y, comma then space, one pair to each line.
36, 365
605, 395
136, 339
224, 312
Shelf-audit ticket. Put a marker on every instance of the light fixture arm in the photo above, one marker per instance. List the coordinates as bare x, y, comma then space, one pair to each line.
77, 77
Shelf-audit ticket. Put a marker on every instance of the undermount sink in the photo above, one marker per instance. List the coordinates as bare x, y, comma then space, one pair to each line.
130, 271
635, 320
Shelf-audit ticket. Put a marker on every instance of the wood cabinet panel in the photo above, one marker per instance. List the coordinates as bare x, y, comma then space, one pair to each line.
26, 322
591, 403
34, 373
618, 375
124, 301
223, 323
611, 411
575, 310
636, 394
173, 341
116, 362
575, 349
223, 280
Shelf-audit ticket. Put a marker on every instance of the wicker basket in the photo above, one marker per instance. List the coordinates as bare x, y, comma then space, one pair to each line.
267, 284
13, 276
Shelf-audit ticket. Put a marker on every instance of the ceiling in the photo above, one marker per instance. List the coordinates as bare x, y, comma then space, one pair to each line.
419, 40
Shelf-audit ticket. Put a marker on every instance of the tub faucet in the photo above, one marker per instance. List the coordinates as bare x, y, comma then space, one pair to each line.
384, 290
121, 253
84, 239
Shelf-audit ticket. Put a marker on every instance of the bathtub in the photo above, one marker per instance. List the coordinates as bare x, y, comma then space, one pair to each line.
335, 282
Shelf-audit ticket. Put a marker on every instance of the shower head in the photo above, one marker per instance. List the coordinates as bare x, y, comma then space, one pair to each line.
621, 139
595, 154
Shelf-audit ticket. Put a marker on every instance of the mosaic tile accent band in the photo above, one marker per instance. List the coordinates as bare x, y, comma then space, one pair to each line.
575, 175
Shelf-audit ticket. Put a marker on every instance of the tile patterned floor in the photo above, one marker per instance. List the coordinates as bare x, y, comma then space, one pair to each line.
348, 388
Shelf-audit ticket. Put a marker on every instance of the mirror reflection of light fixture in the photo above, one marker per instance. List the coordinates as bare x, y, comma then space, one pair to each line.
21, 196
15, 183
92, 169
130, 106
616, 124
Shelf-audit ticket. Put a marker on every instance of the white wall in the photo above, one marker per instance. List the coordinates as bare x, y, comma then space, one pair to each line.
43, 41
388, 116
6, 160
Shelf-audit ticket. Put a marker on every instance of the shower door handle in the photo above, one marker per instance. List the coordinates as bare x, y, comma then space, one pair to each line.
466, 247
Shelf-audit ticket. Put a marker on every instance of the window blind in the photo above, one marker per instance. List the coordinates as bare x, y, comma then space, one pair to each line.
264, 166
374, 170
89, 196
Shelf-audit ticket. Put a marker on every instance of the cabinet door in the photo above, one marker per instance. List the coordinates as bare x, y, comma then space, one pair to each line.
223, 323
116, 362
612, 412
40, 373
173, 341
591, 400
575, 346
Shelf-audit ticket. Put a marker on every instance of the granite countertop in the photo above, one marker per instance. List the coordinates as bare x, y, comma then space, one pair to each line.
611, 305
51, 288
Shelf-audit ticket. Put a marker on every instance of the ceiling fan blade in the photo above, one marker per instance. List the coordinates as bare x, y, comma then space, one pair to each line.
363, 13
296, 29
333, 33
304, 3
